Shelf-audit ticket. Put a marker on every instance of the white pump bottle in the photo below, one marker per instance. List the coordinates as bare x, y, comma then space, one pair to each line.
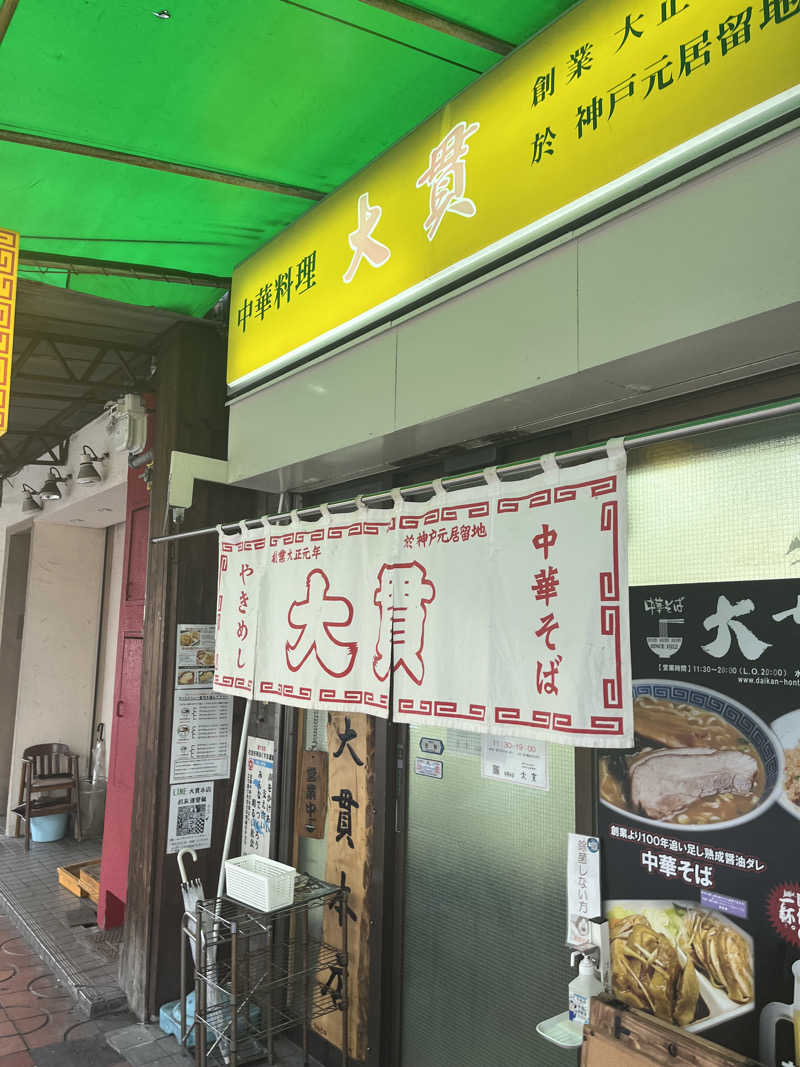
581, 990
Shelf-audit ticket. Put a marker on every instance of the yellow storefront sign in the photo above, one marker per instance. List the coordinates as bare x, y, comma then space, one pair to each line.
609, 87
9, 259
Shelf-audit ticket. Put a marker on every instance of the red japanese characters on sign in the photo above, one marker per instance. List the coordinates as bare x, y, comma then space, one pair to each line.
403, 594
242, 559
527, 635
329, 613
784, 911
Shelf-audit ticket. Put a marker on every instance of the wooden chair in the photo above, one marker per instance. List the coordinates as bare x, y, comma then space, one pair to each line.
49, 773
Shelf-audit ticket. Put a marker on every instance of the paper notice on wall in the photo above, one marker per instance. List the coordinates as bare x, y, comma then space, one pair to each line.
201, 736
191, 808
583, 887
257, 810
194, 656
518, 762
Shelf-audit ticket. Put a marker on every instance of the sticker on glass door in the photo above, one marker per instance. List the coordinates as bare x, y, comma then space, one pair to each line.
429, 768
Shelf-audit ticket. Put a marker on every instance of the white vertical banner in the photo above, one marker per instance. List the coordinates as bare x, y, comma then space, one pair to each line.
326, 641
257, 805
512, 613
240, 578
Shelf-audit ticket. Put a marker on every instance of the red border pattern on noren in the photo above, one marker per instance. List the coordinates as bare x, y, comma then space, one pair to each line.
362, 528
478, 509
227, 681
354, 697
274, 689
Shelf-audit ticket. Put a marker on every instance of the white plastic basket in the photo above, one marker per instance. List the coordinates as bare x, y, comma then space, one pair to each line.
259, 882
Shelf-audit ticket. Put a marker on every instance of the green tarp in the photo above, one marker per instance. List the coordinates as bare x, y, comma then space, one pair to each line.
302, 94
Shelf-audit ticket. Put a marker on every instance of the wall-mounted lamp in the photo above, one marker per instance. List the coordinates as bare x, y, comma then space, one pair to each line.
30, 503
88, 473
50, 490
141, 460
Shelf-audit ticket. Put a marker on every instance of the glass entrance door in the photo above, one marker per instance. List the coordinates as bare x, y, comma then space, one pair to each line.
484, 957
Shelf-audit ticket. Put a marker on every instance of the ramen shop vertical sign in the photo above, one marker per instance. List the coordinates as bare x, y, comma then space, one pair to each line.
351, 778
700, 821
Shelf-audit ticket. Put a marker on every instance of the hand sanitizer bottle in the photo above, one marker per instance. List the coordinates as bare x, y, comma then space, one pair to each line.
581, 991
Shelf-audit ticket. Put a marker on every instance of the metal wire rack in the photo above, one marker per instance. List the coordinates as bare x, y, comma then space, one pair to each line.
264, 971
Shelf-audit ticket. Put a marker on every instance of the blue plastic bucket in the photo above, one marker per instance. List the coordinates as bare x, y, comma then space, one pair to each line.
49, 827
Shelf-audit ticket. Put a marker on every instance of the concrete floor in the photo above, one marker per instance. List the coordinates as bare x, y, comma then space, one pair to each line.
31, 896
60, 1002
40, 1023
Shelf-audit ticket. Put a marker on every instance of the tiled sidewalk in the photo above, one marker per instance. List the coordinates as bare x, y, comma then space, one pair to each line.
31, 896
60, 1002
40, 1024
147, 1046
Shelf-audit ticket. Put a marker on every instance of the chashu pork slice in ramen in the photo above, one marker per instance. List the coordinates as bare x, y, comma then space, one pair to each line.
667, 781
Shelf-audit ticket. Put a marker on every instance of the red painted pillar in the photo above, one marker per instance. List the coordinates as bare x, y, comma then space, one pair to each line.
125, 728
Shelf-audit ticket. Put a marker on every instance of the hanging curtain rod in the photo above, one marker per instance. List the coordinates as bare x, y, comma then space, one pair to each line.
639, 440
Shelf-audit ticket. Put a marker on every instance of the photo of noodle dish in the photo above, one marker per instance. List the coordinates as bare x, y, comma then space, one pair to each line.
701, 761
685, 964
787, 730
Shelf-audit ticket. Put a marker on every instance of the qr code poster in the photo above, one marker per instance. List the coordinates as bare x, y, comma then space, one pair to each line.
191, 808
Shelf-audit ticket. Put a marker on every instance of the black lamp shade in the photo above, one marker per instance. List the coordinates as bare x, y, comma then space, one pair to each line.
88, 473
30, 503
50, 490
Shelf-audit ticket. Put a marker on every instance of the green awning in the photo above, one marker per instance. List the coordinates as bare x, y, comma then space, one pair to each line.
301, 95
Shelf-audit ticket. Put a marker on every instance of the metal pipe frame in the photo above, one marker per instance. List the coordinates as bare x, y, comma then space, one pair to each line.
570, 456
459, 30
265, 185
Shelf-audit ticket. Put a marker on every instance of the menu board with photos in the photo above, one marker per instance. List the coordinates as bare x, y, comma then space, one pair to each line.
194, 658
700, 822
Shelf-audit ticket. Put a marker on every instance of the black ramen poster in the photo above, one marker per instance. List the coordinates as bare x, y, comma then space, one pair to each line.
701, 820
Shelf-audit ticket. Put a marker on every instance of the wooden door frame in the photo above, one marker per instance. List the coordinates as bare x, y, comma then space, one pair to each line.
181, 587
130, 626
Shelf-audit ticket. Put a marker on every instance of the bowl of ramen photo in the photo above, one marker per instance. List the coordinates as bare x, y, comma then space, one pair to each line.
701, 761
787, 730
685, 964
